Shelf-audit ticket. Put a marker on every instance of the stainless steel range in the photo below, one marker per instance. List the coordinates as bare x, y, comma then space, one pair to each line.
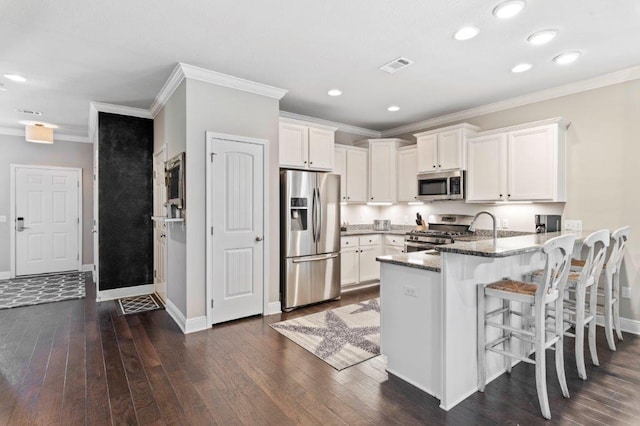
443, 229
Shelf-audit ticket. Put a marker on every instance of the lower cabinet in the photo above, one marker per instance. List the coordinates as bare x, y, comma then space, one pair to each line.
358, 256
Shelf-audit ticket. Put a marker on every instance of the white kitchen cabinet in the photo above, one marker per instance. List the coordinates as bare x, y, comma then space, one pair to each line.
305, 147
358, 262
349, 266
383, 174
444, 148
407, 173
369, 266
519, 163
393, 244
351, 165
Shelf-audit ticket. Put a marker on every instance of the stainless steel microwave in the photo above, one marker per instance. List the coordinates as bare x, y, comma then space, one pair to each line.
441, 186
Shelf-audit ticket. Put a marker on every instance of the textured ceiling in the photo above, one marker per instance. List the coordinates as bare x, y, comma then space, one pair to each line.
121, 52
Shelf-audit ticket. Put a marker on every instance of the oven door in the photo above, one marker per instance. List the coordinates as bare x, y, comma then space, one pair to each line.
410, 246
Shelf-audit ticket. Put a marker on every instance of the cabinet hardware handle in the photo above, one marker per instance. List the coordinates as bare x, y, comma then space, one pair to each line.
434, 166
348, 198
508, 195
311, 162
439, 165
500, 195
305, 162
372, 198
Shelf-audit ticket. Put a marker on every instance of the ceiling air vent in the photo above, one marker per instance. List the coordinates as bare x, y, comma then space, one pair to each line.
28, 111
396, 65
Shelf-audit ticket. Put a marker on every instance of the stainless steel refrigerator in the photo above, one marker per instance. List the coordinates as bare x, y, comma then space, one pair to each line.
309, 237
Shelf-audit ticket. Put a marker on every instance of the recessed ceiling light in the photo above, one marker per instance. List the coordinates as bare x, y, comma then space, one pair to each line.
2, 88
393, 108
37, 123
567, 58
542, 37
521, 68
466, 33
508, 9
15, 77
334, 92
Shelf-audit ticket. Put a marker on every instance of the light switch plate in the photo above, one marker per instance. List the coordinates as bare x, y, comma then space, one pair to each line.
505, 223
3, 218
573, 225
410, 291
625, 292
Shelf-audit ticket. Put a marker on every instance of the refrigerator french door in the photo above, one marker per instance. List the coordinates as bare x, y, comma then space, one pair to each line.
310, 237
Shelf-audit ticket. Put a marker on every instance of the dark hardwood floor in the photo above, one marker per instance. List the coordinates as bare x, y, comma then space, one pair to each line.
77, 362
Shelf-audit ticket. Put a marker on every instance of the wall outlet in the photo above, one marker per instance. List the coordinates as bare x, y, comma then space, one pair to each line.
3, 218
505, 223
410, 291
573, 225
625, 292
405, 219
498, 222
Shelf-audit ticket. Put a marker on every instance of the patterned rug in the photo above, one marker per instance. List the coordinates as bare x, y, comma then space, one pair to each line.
35, 290
341, 337
137, 304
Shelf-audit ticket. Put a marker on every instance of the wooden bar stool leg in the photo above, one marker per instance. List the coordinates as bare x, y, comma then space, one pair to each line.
608, 312
481, 356
579, 331
559, 346
593, 300
541, 363
616, 304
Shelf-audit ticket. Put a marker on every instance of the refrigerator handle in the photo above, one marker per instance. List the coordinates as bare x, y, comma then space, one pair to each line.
313, 216
319, 226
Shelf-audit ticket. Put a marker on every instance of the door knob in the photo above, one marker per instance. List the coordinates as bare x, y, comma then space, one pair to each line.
259, 239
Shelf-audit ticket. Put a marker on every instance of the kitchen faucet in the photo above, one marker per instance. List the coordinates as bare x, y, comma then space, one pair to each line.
472, 227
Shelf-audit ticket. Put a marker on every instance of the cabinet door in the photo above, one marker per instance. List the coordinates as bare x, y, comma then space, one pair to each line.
382, 172
486, 164
450, 150
428, 153
532, 165
340, 168
294, 141
321, 143
391, 250
369, 266
349, 266
357, 176
407, 175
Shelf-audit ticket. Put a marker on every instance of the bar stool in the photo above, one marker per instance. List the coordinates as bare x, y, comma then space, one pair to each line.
579, 312
558, 257
611, 284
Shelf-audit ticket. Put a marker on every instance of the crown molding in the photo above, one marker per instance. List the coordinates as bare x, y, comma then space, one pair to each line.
604, 80
57, 137
560, 121
347, 128
96, 107
182, 71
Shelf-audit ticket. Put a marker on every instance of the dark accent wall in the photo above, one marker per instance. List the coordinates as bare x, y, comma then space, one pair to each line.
125, 203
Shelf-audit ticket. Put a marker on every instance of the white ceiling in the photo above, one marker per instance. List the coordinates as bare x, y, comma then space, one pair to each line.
121, 52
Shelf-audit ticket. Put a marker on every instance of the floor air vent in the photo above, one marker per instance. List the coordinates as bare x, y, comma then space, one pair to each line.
396, 65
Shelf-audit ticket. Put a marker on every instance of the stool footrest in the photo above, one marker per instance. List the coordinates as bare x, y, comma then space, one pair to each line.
496, 312
509, 328
512, 355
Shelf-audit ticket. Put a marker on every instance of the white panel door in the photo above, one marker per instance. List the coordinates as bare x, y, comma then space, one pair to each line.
321, 143
427, 153
294, 141
357, 176
159, 227
450, 150
486, 164
407, 175
340, 168
369, 266
47, 201
237, 188
532, 164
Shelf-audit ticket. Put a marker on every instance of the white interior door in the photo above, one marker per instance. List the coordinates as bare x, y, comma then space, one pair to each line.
236, 191
159, 227
47, 220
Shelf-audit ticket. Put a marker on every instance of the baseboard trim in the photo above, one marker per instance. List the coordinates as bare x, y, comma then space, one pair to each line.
627, 325
87, 268
187, 326
355, 287
274, 308
413, 383
5, 275
117, 293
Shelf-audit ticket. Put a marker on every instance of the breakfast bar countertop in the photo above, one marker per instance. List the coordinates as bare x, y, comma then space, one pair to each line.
511, 246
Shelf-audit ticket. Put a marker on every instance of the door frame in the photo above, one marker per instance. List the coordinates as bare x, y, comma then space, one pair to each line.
210, 137
12, 209
162, 151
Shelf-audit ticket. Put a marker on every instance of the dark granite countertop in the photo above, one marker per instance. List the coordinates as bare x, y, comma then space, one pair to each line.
510, 246
418, 259
352, 232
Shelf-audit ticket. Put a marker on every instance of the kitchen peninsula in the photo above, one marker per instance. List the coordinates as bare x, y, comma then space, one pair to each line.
429, 309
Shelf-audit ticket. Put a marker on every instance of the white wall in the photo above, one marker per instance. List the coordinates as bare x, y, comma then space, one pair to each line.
15, 150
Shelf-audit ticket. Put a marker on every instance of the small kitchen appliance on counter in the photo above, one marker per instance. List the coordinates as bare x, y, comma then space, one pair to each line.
382, 225
548, 223
443, 229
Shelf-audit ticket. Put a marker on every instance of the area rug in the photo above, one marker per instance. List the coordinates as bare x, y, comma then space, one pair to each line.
341, 337
35, 290
137, 304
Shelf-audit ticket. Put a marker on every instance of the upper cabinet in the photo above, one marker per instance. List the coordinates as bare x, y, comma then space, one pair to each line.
519, 163
351, 165
444, 148
383, 168
407, 173
306, 147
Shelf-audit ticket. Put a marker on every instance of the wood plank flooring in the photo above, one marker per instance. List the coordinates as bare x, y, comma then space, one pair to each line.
77, 362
